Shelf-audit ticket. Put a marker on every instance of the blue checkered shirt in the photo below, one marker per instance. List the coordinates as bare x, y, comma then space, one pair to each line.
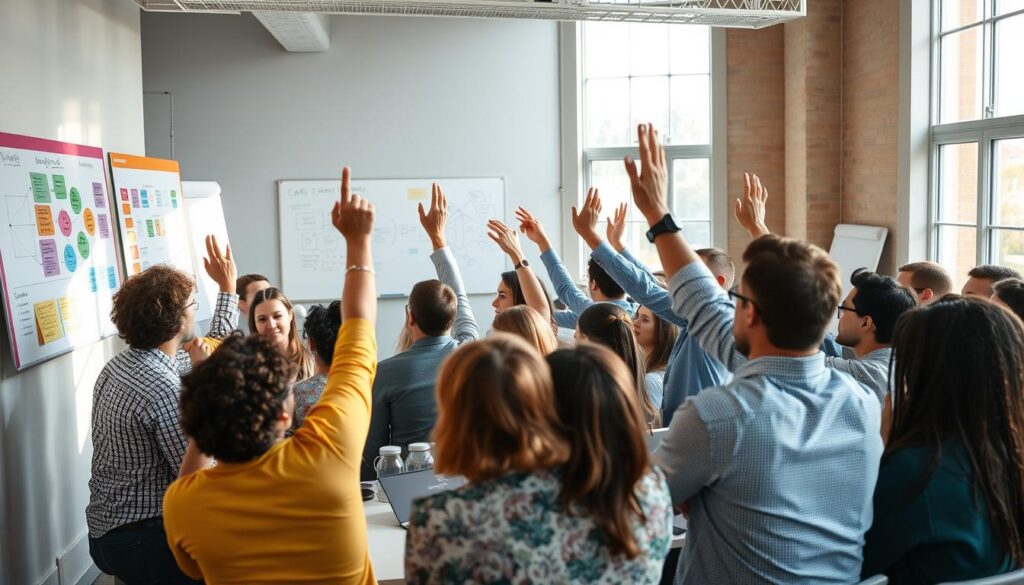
778, 466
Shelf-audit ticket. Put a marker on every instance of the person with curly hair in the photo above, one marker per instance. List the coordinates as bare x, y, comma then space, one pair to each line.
322, 325
280, 509
139, 447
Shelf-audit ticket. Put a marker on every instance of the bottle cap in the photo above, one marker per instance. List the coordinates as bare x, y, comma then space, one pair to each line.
390, 450
419, 447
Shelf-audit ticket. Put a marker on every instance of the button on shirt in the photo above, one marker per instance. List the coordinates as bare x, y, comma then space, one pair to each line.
690, 369
778, 466
571, 295
137, 438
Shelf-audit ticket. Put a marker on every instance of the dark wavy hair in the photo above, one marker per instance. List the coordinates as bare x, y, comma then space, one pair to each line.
147, 310
881, 298
231, 402
602, 421
321, 327
958, 381
611, 326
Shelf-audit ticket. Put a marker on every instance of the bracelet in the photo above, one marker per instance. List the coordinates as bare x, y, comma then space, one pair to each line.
360, 268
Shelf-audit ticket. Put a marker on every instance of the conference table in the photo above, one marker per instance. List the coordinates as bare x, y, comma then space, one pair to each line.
386, 540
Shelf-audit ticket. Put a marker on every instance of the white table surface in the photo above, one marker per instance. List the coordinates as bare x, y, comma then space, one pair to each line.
387, 542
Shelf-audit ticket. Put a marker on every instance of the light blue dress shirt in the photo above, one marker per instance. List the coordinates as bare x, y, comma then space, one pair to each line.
570, 294
778, 466
690, 369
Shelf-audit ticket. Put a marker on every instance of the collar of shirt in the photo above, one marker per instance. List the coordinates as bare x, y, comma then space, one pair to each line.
880, 354
797, 371
432, 341
157, 356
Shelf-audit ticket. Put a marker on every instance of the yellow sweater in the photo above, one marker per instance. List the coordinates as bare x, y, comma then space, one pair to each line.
293, 514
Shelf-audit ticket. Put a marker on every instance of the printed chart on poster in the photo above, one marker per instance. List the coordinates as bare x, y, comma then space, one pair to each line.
151, 213
205, 217
313, 252
58, 262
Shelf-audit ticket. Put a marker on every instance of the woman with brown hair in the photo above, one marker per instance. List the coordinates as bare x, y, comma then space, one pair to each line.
949, 502
271, 316
609, 325
528, 324
517, 518
656, 338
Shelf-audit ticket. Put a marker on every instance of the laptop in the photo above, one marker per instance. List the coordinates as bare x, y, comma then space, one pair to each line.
403, 488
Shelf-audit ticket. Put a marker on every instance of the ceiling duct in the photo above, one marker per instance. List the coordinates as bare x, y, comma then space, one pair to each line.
297, 31
723, 13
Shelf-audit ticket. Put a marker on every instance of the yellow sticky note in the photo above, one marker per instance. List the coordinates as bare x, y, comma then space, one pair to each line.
68, 314
47, 322
416, 194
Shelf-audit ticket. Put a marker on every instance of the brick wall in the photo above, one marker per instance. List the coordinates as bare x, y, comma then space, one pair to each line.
870, 129
756, 127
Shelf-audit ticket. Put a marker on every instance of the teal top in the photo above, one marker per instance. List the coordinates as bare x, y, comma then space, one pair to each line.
930, 535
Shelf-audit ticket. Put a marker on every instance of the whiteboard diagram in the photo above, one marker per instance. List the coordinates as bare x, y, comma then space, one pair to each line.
58, 263
313, 253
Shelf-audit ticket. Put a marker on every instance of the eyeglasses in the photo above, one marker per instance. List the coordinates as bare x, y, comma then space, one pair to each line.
194, 303
840, 309
734, 294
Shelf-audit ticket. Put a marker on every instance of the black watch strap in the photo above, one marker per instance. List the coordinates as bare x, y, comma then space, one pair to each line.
666, 226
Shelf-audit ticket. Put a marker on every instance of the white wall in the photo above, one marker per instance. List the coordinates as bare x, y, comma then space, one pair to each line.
394, 97
70, 70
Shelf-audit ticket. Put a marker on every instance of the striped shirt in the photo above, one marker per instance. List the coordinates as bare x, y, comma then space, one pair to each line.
137, 438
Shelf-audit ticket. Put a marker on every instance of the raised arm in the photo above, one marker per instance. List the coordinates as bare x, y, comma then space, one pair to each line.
565, 288
615, 230
750, 210
220, 266
353, 217
447, 268
508, 240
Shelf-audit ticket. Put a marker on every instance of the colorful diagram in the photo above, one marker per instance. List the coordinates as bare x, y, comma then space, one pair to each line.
153, 225
60, 265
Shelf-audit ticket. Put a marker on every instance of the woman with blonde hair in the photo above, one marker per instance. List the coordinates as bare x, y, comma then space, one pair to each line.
527, 323
523, 513
271, 316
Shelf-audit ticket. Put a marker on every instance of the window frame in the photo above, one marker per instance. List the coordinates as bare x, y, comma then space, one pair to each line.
576, 156
984, 132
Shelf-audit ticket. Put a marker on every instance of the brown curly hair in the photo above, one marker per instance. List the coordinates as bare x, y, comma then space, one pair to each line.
230, 402
147, 310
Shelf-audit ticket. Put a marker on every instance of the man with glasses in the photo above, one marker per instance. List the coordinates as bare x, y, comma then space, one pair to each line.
929, 280
778, 466
867, 318
138, 444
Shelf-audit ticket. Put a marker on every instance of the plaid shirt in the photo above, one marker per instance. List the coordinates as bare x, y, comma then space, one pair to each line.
137, 440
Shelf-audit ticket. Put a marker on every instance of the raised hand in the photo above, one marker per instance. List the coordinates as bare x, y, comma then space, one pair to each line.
352, 215
220, 265
197, 351
650, 182
507, 239
584, 220
434, 221
532, 229
750, 210
617, 227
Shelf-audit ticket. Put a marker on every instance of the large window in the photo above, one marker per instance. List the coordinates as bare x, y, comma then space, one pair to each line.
978, 135
658, 73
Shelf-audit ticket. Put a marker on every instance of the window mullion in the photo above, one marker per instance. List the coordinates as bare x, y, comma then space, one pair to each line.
984, 235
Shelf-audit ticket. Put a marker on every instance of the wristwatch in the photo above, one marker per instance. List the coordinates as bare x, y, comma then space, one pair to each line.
524, 264
666, 226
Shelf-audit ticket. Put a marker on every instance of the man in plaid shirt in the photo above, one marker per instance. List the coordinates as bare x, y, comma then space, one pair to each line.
138, 444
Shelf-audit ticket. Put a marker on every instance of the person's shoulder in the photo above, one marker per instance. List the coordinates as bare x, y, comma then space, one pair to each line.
728, 402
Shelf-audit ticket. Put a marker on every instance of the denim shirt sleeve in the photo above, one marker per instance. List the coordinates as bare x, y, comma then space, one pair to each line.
699, 299
565, 288
638, 282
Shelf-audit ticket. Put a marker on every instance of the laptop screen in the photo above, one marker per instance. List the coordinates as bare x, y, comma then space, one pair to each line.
403, 488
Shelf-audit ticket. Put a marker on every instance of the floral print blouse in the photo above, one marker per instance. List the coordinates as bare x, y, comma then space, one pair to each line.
307, 393
513, 530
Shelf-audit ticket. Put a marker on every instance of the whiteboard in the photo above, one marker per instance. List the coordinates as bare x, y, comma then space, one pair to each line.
205, 214
853, 247
58, 263
312, 251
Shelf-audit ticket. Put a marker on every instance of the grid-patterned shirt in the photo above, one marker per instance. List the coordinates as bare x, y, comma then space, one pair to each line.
778, 466
137, 438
